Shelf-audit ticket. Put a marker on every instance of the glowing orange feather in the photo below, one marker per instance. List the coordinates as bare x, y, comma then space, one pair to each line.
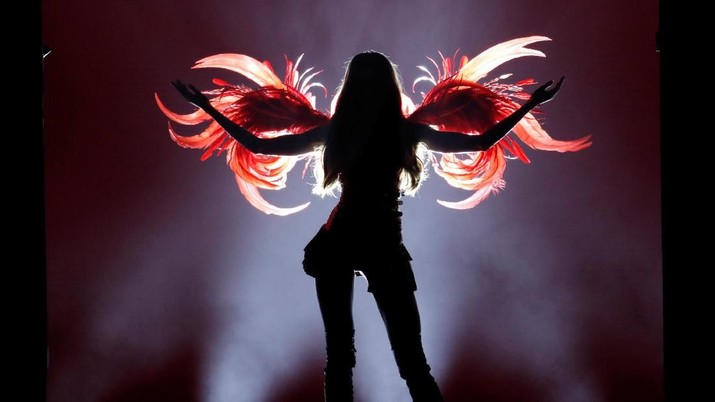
457, 100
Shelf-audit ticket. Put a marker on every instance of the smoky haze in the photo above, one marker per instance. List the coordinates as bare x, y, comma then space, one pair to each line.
163, 283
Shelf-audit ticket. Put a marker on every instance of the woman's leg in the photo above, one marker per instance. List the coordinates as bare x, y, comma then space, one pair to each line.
335, 297
398, 308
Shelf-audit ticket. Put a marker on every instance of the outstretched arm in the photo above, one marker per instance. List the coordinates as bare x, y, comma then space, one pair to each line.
447, 141
282, 145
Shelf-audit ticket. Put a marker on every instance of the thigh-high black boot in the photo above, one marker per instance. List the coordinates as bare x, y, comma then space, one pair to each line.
401, 317
335, 297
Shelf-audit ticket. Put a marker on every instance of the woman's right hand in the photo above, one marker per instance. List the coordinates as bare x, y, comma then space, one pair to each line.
545, 92
191, 94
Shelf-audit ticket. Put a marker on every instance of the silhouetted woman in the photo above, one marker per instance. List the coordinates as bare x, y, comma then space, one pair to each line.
370, 154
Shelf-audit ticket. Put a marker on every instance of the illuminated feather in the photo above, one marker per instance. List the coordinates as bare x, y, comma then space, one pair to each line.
457, 101
274, 108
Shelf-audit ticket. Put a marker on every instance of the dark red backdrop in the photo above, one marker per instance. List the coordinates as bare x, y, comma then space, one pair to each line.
164, 284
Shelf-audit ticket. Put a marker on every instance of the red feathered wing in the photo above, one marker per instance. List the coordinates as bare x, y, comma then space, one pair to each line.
276, 107
459, 102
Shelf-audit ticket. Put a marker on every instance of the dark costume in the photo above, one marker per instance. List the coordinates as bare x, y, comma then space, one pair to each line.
363, 236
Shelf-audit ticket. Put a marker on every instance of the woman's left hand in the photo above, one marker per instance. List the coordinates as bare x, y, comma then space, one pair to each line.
191, 94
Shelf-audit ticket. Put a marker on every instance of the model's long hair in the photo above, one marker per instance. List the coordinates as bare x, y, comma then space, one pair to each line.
369, 103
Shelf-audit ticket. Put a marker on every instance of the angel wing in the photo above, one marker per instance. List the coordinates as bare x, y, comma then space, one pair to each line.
458, 101
276, 107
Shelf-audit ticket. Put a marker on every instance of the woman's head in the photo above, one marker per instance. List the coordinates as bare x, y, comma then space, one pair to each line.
371, 84
368, 114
